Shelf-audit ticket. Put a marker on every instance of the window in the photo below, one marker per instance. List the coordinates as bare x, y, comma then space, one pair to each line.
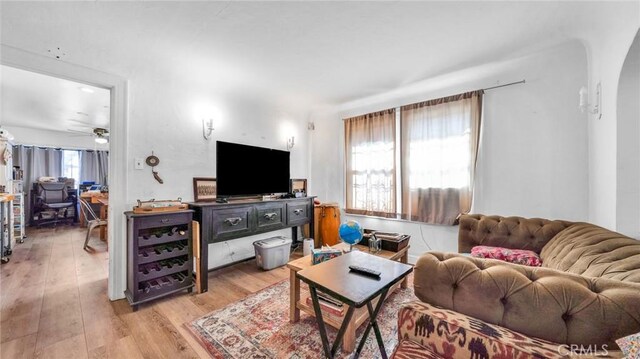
71, 165
370, 164
438, 144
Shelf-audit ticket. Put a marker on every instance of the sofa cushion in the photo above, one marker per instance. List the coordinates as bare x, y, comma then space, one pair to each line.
508, 232
408, 349
453, 335
536, 301
593, 251
517, 256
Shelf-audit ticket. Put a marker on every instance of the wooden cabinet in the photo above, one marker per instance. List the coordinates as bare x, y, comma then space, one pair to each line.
159, 255
225, 221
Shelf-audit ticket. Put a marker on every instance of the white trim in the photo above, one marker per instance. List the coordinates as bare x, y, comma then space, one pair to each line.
119, 146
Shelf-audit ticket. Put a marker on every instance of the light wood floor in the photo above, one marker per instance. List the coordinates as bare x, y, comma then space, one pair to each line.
54, 304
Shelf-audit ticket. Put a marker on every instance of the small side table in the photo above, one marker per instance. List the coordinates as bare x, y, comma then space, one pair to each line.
355, 290
298, 300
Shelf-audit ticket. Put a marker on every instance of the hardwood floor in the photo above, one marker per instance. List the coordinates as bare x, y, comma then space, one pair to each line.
54, 303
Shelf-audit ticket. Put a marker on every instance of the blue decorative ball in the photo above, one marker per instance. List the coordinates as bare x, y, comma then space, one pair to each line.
350, 232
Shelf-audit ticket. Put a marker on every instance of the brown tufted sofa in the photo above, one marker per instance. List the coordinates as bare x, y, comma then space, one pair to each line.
587, 291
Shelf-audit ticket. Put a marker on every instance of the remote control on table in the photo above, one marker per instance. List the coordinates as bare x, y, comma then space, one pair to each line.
365, 271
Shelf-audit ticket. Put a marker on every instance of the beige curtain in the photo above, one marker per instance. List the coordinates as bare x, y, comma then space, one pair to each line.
370, 164
440, 140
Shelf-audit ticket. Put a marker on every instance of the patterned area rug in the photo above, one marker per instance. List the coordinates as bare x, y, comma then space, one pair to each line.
258, 327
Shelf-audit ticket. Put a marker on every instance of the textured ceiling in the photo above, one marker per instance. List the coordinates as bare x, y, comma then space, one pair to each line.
39, 101
303, 53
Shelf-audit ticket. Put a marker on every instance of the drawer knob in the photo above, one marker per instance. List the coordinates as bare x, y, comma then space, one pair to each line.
270, 216
297, 212
233, 221
164, 220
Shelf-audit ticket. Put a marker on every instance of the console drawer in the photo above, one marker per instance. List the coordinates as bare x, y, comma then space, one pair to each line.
164, 220
271, 216
297, 213
232, 222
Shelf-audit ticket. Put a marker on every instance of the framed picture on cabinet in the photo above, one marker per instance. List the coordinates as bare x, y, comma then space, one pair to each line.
204, 189
298, 185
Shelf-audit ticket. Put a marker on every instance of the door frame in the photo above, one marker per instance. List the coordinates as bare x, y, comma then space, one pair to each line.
118, 146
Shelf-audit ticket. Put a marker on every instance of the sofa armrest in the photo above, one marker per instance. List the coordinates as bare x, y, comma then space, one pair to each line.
454, 335
507, 232
537, 302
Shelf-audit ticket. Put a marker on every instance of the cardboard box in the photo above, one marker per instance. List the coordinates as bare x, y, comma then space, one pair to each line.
324, 254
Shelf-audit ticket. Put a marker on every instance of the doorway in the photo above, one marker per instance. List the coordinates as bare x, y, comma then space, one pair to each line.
58, 133
17, 58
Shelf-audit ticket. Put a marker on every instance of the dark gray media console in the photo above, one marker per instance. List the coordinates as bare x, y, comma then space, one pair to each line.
225, 221
159, 255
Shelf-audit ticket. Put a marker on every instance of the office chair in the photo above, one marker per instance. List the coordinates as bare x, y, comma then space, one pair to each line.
53, 196
93, 221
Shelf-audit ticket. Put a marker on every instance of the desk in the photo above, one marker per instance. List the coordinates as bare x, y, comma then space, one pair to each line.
93, 198
104, 210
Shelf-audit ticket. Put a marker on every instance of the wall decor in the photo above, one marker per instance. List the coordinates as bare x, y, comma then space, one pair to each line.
153, 161
204, 189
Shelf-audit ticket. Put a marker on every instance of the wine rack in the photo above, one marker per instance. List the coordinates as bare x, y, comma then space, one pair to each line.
159, 255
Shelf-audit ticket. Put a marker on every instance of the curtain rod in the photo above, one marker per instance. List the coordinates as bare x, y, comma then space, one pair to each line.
509, 84
484, 89
44, 147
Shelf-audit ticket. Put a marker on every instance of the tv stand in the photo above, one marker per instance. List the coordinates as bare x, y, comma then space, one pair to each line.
221, 222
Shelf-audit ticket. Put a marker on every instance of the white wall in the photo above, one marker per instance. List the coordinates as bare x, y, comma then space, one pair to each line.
608, 37
533, 154
628, 111
165, 117
31, 136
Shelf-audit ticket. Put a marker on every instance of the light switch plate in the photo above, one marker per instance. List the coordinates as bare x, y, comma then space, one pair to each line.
139, 163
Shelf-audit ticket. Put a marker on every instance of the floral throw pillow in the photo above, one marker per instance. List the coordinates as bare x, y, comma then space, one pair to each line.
630, 345
517, 256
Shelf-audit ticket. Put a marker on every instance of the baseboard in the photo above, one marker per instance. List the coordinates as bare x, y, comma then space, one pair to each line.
230, 264
412, 259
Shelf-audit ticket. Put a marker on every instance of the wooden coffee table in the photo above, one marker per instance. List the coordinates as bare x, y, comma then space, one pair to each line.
354, 290
298, 301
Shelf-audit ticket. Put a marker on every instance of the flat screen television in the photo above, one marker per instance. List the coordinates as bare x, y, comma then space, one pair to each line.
243, 170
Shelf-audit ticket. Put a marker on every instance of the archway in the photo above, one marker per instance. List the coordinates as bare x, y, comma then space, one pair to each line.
628, 128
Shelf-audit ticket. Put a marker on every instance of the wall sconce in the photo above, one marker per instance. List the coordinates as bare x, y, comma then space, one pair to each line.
207, 128
290, 143
584, 101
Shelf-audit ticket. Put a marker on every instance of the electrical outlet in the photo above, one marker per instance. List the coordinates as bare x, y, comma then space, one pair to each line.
138, 163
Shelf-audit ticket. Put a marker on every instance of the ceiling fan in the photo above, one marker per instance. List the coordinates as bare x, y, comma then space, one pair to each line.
101, 135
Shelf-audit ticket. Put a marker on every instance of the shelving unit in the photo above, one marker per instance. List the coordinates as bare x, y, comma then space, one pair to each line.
18, 218
5, 227
159, 255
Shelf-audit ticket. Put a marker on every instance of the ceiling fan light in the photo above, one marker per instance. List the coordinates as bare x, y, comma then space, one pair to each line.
101, 140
